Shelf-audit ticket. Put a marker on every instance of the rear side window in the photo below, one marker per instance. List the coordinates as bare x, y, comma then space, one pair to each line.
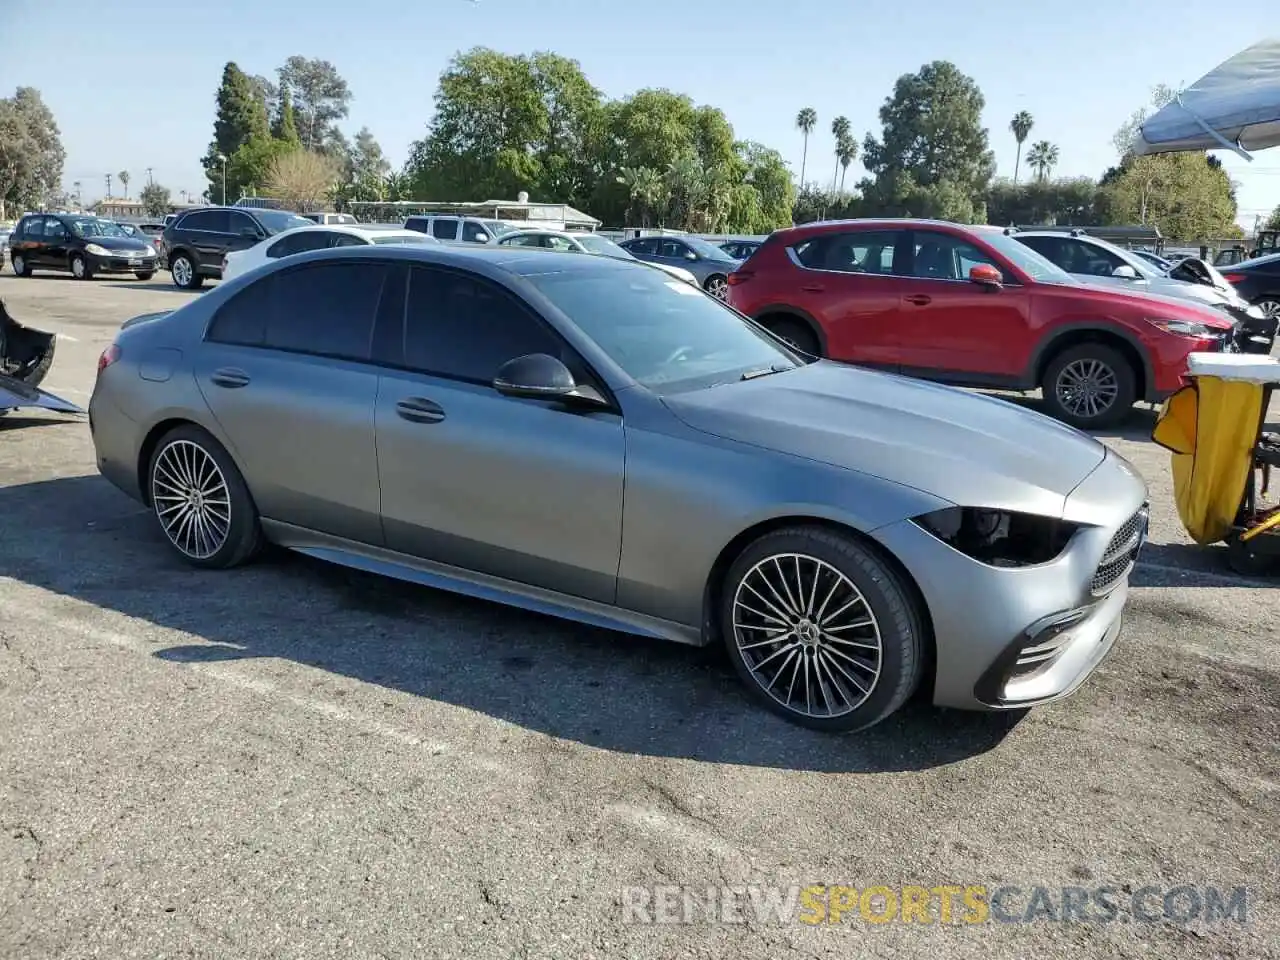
320, 309
444, 228
416, 223
214, 221
866, 251
648, 247
466, 328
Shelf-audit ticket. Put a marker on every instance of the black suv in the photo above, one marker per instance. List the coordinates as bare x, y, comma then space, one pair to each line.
80, 244
194, 244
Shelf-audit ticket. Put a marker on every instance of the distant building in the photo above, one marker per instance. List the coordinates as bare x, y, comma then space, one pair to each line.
114, 208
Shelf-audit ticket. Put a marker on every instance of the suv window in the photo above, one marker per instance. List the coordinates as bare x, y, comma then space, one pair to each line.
214, 221
1089, 258
863, 251
462, 327
672, 248
647, 245
416, 223
54, 229
941, 256
324, 309
444, 228
239, 221
474, 233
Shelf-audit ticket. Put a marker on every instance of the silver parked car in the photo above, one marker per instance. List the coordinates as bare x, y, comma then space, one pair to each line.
591, 243
582, 437
704, 260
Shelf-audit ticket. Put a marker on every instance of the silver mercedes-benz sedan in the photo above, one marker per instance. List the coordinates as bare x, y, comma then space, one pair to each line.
588, 438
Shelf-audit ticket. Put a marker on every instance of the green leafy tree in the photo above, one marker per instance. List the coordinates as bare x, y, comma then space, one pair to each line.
1188, 196
1042, 158
320, 97
248, 169
806, 120
1131, 130
155, 198
841, 131
764, 200
648, 193
31, 153
1273, 221
1050, 202
1020, 126
369, 168
285, 127
241, 117
932, 158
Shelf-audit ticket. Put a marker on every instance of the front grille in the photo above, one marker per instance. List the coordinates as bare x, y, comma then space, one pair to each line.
1121, 553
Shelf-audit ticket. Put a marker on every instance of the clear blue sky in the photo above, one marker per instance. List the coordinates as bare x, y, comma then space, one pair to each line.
132, 90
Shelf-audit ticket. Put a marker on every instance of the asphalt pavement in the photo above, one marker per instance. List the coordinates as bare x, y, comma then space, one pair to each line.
293, 760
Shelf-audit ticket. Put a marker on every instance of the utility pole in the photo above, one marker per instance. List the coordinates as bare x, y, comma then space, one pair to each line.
108, 186
149, 180
79, 202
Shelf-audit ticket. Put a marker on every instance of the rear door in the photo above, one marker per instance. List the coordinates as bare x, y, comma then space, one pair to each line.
28, 240
444, 228
242, 233
204, 233
955, 329
852, 284
285, 369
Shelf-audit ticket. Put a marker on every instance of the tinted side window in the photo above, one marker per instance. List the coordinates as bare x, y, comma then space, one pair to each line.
940, 256
347, 240
282, 248
647, 246
1093, 260
54, 229
325, 309
1048, 247
672, 248
528, 240
30, 228
242, 320
416, 223
444, 228
866, 251
310, 240
458, 326
474, 233
237, 222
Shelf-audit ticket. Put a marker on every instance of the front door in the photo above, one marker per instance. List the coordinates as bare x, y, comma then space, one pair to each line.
955, 329
286, 372
55, 251
526, 490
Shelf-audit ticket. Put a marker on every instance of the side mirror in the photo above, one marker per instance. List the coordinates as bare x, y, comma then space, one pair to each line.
986, 275
690, 255
540, 376
1125, 272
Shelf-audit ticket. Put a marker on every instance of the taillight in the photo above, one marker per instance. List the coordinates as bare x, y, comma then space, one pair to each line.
109, 356
224, 264
740, 277
1233, 277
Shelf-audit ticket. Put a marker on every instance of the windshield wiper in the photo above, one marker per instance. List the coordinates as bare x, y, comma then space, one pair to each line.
763, 372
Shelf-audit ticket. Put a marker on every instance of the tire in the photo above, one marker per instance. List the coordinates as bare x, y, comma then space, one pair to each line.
795, 332
717, 285
35, 376
21, 267
1270, 306
80, 268
145, 274
239, 534
183, 270
845, 570
1115, 385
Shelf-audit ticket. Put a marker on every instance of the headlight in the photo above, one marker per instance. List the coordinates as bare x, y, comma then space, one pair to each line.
96, 250
1187, 328
149, 252
999, 538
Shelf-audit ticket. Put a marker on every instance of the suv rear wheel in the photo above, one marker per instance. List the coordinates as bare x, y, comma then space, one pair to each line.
793, 331
1090, 386
183, 270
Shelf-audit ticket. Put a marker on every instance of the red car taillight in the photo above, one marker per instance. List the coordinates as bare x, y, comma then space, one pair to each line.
739, 277
1233, 277
109, 356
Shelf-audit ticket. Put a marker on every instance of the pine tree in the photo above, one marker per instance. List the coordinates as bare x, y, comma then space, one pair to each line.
241, 115
286, 127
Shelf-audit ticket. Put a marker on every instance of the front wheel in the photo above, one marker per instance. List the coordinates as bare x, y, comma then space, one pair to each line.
184, 273
1090, 386
718, 286
20, 265
80, 268
201, 501
821, 629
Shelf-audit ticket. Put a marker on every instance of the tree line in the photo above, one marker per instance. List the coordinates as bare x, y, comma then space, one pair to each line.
509, 123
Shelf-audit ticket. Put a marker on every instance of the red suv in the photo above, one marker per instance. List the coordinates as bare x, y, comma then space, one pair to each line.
971, 306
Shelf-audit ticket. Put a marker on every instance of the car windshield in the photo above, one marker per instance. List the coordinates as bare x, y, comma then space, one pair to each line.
406, 238
277, 220
666, 334
498, 228
1267, 260
1144, 269
1034, 265
706, 250
90, 227
603, 246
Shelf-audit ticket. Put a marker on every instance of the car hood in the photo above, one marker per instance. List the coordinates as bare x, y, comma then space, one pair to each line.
967, 448
1155, 305
122, 244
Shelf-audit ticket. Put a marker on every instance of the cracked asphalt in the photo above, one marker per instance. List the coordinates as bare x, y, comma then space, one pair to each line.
293, 760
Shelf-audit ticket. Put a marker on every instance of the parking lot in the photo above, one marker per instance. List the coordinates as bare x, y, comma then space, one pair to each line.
297, 760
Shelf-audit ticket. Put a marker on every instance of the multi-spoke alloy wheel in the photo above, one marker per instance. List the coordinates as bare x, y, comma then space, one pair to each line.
201, 501
1091, 385
807, 635
821, 628
1087, 388
191, 499
718, 287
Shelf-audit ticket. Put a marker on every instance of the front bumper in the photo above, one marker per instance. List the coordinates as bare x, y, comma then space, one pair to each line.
1009, 638
122, 263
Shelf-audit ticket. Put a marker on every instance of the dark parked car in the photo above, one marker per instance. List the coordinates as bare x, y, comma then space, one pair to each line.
196, 242
704, 260
740, 249
80, 244
149, 232
1258, 281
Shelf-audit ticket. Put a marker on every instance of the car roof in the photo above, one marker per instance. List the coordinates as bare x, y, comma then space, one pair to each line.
819, 227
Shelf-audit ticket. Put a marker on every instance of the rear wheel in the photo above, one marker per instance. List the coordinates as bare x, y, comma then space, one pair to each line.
183, 270
795, 332
821, 629
1090, 386
201, 501
718, 286
80, 268
20, 265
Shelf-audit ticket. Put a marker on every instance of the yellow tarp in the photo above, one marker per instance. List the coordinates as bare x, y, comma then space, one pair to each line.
1211, 428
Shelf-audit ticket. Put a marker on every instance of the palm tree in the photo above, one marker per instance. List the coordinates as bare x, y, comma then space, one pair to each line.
846, 153
806, 120
1042, 157
1021, 125
124, 182
647, 189
840, 130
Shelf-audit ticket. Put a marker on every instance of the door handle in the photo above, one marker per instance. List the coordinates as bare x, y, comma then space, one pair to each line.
816, 288
419, 410
919, 299
230, 377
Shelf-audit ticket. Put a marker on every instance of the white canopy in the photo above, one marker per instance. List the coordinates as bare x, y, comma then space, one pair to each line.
1235, 106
